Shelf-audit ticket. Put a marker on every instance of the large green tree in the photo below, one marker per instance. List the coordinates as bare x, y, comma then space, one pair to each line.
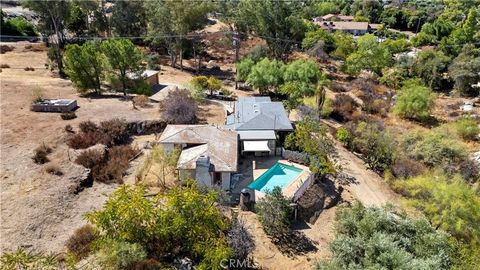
430, 66
465, 70
415, 101
129, 18
382, 238
124, 59
266, 74
370, 55
170, 21
86, 66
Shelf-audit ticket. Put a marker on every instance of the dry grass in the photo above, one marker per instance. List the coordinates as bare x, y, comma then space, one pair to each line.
68, 115
6, 48
53, 169
141, 101
41, 153
158, 169
79, 244
4, 66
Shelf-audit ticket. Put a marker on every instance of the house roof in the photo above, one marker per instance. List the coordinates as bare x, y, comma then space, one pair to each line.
162, 91
258, 113
344, 25
145, 74
219, 144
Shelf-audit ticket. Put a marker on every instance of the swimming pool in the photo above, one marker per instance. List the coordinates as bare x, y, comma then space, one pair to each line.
280, 175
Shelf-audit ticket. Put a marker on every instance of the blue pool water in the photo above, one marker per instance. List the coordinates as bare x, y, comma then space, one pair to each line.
278, 175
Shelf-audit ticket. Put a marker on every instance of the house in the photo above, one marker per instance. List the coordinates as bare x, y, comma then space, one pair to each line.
259, 122
333, 17
209, 153
354, 28
162, 90
149, 75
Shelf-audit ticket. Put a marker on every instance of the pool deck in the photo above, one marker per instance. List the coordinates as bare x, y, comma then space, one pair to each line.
251, 168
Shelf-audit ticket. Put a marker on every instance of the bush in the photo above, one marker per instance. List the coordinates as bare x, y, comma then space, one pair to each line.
373, 104
380, 238
274, 212
69, 129
337, 87
88, 126
142, 88
141, 101
116, 131
91, 158
115, 166
84, 140
343, 136
344, 107
433, 148
79, 244
257, 53
68, 115
21, 259
414, 101
41, 153
327, 108
405, 168
467, 128
37, 94
116, 254
4, 66
240, 240
179, 108
53, 169
29, 69
6, 48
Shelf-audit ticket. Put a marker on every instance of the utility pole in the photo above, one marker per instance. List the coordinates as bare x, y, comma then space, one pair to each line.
236, 44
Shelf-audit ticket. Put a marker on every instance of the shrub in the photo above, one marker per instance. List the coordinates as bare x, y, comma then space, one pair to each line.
380, 238
84, 140
373, 104
21, 259
337, 87
90, 158
467, 128
41, 153
4, 66
343, 136
37, 94
274, 212
375, 143
414, 101
405, 167
116, 130
240, 240
69, 129
435, 147
79, 244
88, 126
179, 108
68, 115
343, 107
143, 88
53, 169
141, 101
29, 69
116, 254
327, 108
6, 48
116, 164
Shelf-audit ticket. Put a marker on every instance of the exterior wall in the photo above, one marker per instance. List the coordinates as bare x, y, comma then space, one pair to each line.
303, 187
226, 180
152, 80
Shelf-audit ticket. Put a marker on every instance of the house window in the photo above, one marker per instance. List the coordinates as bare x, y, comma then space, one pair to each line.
217, 178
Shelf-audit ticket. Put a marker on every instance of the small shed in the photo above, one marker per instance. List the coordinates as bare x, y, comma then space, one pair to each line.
149, 75
54, 105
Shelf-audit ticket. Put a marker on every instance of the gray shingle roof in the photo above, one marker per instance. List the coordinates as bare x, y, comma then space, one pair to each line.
258, 113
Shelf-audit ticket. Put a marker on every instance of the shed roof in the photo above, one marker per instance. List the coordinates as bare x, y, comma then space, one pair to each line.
344, 25
257, 135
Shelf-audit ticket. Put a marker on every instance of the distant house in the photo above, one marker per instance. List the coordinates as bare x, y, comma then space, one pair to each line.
354, 28
333, 17
259, 122
209, 153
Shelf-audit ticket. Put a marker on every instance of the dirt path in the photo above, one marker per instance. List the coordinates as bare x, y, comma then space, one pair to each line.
368, 188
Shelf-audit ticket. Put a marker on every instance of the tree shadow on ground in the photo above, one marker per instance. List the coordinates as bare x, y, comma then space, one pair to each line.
294, 243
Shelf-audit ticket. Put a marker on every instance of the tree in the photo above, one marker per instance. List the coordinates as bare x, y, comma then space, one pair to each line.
451, 205
129, 18
430, 65
170, 21
306, 73
243, 69
179, 108
344, 45
465, 70
313, 37
85, 65
53, 17
274, 212
370, 9
266, 74
381, 238
415, 101
213, 84
274, 21
370, 55
124, 59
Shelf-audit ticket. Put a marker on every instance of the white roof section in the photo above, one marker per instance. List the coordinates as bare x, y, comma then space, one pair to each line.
257, 134
145, 74
255, 146
163, 91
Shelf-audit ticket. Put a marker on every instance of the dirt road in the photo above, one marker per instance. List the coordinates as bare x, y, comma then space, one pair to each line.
368, 187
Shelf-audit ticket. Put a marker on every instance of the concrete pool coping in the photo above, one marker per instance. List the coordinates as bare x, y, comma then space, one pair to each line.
296, 187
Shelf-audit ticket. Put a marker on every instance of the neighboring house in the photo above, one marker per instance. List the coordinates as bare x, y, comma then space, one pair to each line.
354, 28
333, 17
209, 153
259, 122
